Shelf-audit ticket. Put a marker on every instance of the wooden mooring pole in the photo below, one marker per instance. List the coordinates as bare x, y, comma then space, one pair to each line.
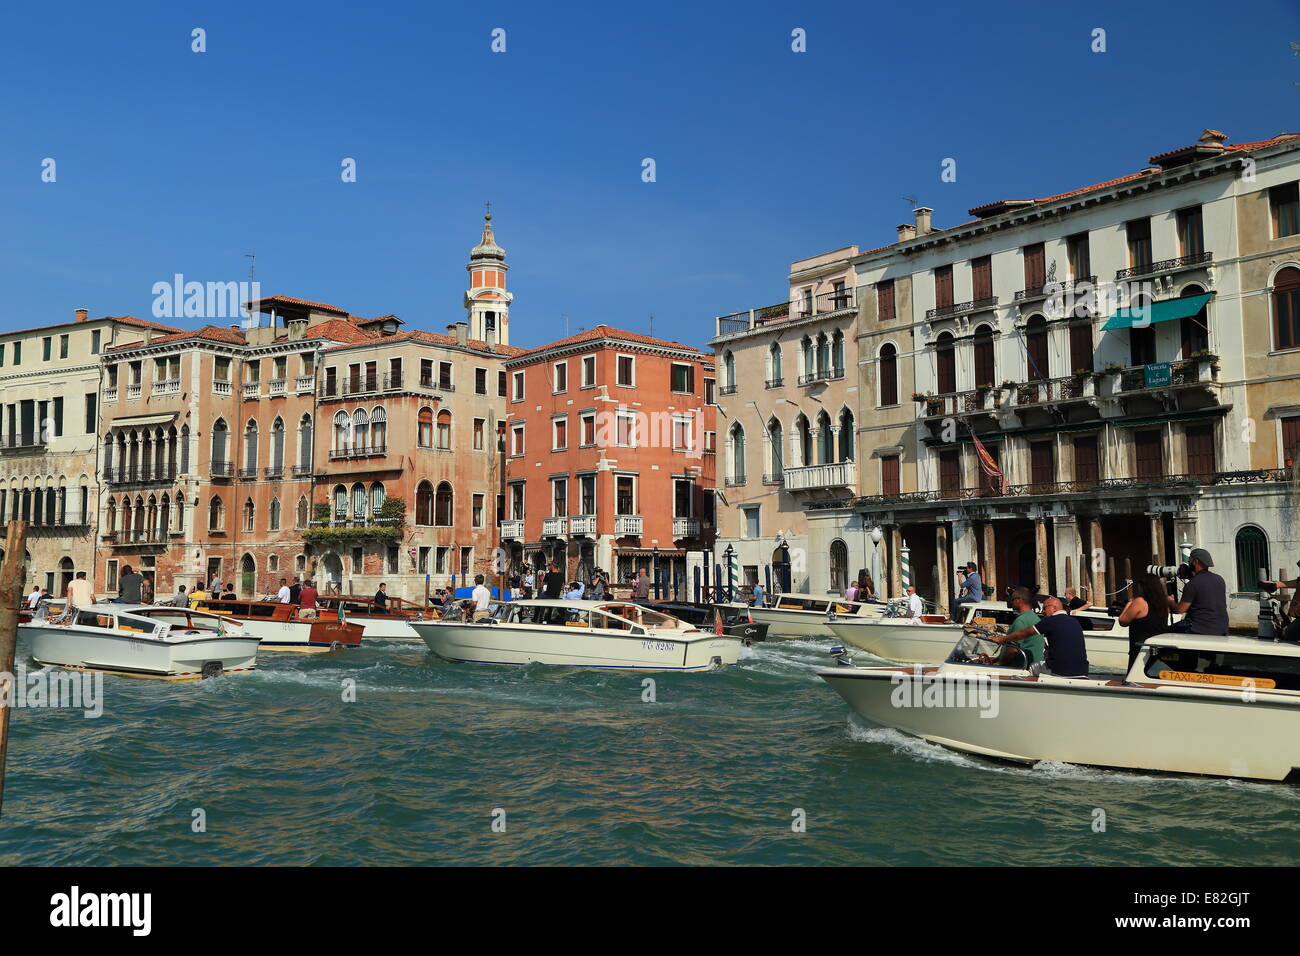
12, 574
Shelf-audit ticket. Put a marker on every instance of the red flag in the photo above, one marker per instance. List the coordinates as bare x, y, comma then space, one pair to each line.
988, 465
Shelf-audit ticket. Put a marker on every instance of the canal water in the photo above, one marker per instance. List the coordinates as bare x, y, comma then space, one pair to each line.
572, 767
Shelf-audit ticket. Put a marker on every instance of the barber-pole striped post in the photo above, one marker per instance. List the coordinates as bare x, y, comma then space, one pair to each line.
905, 565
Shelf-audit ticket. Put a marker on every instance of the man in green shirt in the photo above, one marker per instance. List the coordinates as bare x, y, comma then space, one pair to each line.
1025, 618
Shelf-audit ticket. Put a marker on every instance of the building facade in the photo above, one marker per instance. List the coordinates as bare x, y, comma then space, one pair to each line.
609, 443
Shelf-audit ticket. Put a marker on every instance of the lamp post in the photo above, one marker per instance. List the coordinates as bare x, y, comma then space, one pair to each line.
875, 550
729, 554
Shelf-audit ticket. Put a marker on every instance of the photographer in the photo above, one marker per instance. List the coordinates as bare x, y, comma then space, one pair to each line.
1292, 632
1204, 603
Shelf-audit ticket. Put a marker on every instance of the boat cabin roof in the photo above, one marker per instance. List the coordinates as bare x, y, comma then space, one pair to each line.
1225, 645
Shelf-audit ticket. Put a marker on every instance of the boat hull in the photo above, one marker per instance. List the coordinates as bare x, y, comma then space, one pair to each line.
181, 660
384, 629
1100, 723
302, 637
798, 625
490, 644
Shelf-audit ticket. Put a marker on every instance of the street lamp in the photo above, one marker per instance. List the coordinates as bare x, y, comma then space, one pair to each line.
876, 535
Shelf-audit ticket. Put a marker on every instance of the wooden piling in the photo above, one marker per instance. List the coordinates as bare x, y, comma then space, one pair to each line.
12, 575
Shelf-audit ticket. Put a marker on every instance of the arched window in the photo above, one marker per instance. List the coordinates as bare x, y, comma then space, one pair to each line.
444, 429
424, 503
837, 354
303, 515
985, 371
304, 444
185, 449
825, 439
1252, 557
823, 354
774, 363
846, 436
1036, 346
164, 517
946, 364
250, 444
220, 444
110, 515
376, 498
250, 514
1286, 308
358, 500
216, 514
809, 361
888, 375
424, 432
803, 432
342, 430
737, 454
839, 566
775, 449
379, 428
273, 516
180, 512
277, 445
340, 502
360, 428
443, 505
728, 369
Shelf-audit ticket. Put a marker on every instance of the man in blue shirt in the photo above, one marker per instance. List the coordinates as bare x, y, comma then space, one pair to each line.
758, 595
972, 589
1067, 652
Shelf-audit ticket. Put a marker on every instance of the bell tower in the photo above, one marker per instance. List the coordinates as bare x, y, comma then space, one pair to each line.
487, 300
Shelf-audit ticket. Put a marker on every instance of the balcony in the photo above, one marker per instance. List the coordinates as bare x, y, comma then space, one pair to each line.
171, 386
734, 481
727, 389
361, 386
628, 526
220, 387
1049, 289
1165, 265
23, 441
248, 474
251, 391
133, 392
583, 525
301, 471
774, 382
753, 318
842, 474
358, 451
110, 394
686, 527
553, 527
304, 383
276, 386
126, 474
821, 375
773, 479
961, 308
274, 472
512, 530
221, 469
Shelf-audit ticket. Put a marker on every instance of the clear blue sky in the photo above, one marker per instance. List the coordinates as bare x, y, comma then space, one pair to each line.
171, 161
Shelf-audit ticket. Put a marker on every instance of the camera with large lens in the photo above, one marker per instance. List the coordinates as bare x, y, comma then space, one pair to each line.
1170, 571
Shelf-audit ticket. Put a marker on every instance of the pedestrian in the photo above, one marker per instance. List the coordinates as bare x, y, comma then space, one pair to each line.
915, 606
576, 591
128, 586
641, 587
760, 595
80, 593
972, 589
530, 582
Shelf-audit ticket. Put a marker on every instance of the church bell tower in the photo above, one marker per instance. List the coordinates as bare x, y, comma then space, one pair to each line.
487, 300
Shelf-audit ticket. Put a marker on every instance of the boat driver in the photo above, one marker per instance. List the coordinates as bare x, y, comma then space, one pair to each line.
1067, 652
915, 607
1026, 621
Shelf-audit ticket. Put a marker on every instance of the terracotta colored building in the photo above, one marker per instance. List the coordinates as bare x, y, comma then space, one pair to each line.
609, 442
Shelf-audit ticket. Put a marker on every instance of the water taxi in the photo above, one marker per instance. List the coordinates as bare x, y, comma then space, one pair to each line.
1191, 704
392, 622
895, 637
604, 634
800, 616
286, 627
142, 641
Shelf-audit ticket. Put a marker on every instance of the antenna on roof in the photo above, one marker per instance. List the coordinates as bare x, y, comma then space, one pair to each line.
565, 317
911, 200
250, 318
652, 323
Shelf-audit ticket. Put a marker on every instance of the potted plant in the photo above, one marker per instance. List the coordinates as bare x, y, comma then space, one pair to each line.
918, 397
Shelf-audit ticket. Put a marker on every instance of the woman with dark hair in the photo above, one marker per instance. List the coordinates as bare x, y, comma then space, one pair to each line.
866, 587
1146, 614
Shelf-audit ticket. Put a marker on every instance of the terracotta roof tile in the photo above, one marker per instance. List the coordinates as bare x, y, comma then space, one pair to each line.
439, 338
609, 332
209, 333
292, 301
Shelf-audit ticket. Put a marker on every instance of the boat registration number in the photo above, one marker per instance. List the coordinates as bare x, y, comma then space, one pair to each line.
657, 645
1226, 680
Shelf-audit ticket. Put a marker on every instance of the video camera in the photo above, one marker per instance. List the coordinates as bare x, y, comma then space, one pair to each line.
1170, 572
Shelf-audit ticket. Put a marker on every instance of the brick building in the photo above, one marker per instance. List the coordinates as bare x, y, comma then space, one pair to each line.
610, 455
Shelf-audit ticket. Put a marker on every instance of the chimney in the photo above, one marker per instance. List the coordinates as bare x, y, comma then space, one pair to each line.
1213, 137
906, 231
81, 315
923, 214
461, 332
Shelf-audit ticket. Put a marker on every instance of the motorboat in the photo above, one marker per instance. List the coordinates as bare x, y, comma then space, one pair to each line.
392, 622
603, 634
287, 627
800, 616
895, 637
1191, 703
142, 641
733, 619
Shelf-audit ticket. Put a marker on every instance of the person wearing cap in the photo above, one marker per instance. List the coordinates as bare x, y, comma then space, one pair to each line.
1204, 603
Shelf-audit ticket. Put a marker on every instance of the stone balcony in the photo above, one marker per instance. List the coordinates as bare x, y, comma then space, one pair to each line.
170, 387
686, 527
841, 474
628, 526
554, 527
583, 525
512, 530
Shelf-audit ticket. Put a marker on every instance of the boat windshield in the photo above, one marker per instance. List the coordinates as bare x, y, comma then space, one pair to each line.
180, 619
545, 615
1222, 668
109, 622
636, 614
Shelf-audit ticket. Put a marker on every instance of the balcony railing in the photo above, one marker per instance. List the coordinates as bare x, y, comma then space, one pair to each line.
821, 375
274, 472
753, 318
23, 441
1055, 288
301, 471
582, 525
686, 527
961, 308
1165, 265
827, 303
553, 527
837, 300
734, 481
727, 389
110, 393
358, 451
304, 383
512, 529
276, 386
134, 391
221, 469
171, 386
628, 525
139, 474
841, 474
220, 387
248, 473
774, 382
776, 479
251, 390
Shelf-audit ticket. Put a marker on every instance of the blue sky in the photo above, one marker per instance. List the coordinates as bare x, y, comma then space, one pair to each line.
172, 161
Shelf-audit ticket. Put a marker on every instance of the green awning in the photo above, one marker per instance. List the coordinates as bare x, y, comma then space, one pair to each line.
1164, 311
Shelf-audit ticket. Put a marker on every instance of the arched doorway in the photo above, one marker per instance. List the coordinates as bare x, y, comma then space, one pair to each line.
781, 569
332, 565
247, 576
65, 576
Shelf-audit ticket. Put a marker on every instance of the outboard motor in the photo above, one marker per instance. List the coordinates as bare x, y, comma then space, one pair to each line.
841, 656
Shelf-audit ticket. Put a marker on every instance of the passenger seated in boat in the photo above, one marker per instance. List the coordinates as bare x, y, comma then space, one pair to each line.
1067, 653
1026, 620
1073, 602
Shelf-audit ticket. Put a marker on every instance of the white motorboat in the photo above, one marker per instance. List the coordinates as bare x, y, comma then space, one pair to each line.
392, 622
1218, 706
287, 627
800, 616
929, 641
605, 634
142, 641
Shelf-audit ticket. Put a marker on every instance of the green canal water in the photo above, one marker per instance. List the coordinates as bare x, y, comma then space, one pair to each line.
586, 772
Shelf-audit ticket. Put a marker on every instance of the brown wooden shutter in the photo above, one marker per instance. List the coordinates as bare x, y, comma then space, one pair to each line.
1036, 339
1148, 455
1085, 459
1081, 347
885, 300
949, 473
1200, 450
1035, 268
984, 370
943, 287
982, 277
1290, 441
889, 475
888, 376
946, 363
1042, 467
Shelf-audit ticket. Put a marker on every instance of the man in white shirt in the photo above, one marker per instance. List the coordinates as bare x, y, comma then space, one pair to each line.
80, 593
914, 604
34, 598
283, 594
482, 598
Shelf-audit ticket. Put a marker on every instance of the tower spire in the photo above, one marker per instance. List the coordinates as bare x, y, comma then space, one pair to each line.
487, 300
